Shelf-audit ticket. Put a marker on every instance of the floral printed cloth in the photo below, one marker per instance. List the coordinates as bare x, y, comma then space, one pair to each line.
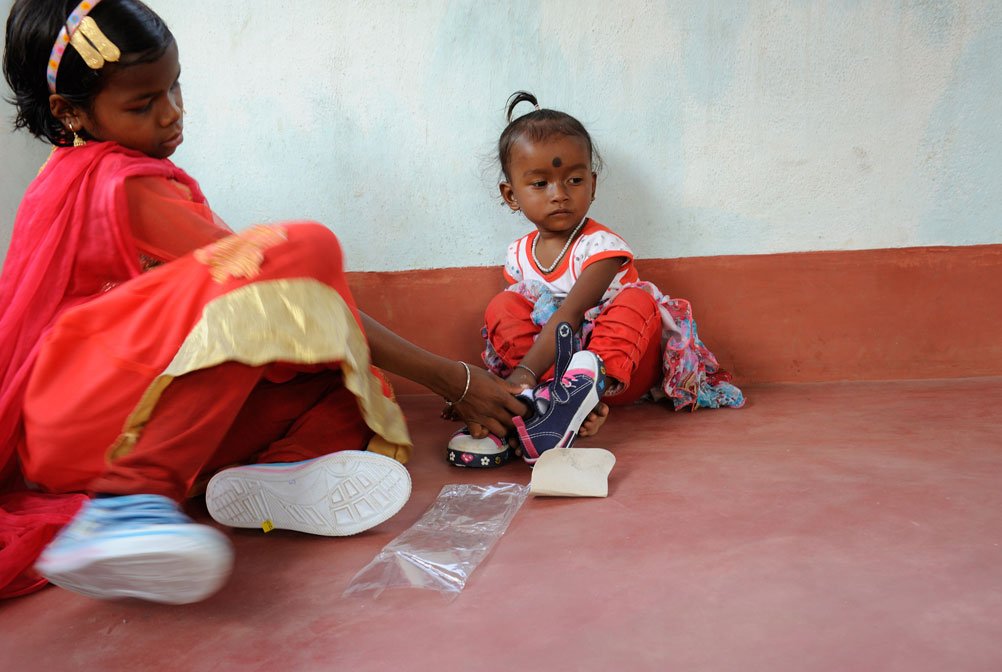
691, 375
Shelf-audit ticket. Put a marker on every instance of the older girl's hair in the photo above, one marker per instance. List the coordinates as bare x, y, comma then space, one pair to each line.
32, 27
537, 125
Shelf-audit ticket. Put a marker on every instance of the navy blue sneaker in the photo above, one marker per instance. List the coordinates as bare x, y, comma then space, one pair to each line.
559, 407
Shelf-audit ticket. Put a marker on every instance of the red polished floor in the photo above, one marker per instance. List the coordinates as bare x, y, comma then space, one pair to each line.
823, 527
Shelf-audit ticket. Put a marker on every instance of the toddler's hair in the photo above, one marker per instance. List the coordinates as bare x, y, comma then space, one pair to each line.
538, 125
32, 27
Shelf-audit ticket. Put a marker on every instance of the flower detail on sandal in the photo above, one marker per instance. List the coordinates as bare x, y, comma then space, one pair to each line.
240, 255
490, 451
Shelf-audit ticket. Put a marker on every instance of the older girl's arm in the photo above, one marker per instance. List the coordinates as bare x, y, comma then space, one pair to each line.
489, 402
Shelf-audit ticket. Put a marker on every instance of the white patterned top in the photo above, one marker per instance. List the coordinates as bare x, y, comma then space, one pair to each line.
595, 242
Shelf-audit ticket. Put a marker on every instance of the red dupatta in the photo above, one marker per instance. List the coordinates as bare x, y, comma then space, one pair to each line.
71, 242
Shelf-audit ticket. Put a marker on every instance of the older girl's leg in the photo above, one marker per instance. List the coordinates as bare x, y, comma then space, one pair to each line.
184, 433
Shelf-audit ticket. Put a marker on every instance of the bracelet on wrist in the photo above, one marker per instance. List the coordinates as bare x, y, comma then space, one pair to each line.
466, 389
531, 372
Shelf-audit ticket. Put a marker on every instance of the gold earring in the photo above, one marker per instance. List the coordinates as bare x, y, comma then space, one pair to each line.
77, 140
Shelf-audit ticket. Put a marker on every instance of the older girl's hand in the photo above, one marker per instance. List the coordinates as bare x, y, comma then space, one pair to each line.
488, 406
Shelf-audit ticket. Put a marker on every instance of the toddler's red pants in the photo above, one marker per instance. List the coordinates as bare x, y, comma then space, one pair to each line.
626, 335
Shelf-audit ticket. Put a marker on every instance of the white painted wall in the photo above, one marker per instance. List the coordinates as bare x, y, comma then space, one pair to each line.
727, 127
20, 154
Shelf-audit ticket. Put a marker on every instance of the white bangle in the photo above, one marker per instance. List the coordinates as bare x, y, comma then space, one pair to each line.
450, 404
533, 373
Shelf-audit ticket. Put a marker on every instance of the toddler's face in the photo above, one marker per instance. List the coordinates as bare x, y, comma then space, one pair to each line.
551, 181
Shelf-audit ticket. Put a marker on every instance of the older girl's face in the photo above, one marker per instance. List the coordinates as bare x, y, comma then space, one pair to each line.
139, 107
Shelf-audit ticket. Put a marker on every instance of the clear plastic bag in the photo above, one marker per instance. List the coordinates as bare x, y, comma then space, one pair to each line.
441, 550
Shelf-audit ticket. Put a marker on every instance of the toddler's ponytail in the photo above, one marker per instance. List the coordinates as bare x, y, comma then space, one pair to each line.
538, 125
520, 97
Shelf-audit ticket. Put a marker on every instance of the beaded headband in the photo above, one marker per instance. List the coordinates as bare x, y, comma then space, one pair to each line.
82, 32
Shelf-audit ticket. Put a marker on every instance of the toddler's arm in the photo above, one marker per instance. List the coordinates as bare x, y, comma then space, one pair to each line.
585, 294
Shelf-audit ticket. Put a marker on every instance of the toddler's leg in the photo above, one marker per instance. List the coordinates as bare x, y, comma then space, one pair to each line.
561, 406
627, 336
509, 328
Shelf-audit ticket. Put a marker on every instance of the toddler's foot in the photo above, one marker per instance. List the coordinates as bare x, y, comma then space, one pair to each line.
490, 451
561, 406
596, 418
139, 546
335, 495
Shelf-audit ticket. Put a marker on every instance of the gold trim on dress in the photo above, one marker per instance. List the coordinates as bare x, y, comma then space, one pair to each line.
299, 321
240, 255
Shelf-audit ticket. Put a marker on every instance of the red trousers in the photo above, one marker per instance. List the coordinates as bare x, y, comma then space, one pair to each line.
99, 362
231, 414
627, 336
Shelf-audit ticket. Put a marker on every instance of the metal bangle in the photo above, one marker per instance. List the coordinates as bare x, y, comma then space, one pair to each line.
450, 404
533, 373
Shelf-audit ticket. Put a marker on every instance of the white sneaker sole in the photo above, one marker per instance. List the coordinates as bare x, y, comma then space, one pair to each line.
172, 564
335, 495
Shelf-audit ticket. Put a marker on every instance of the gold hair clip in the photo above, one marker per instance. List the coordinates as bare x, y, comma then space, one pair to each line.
93, 45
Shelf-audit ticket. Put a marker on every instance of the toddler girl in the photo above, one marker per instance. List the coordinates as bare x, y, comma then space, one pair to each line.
572, 269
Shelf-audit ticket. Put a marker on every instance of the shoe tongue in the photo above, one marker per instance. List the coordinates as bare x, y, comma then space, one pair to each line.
538, 399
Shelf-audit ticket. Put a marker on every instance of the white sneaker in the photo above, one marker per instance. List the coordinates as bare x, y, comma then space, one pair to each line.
139, 546
336, 495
